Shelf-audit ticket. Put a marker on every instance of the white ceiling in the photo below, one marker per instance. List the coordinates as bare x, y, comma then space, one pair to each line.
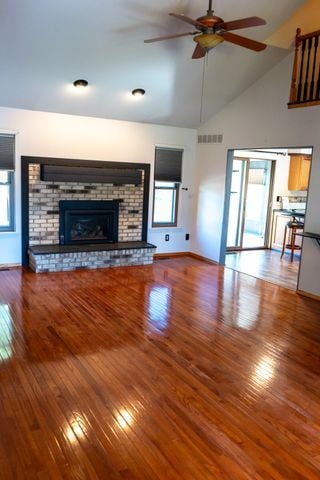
46, 45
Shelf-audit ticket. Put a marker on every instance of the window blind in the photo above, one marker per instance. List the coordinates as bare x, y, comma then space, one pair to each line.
6, 152
168, 165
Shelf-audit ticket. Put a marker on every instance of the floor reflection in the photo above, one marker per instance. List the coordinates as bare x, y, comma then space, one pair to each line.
76, 429
239, 310
6, 333
264, 371
159, 306
124, 418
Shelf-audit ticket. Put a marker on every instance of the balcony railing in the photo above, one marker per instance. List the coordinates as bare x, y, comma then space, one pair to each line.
305, 85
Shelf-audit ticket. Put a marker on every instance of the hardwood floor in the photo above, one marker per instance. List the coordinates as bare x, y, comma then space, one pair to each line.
267, 265
180, 370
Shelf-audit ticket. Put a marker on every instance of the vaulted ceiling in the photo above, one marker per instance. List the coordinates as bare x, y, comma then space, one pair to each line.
46, 45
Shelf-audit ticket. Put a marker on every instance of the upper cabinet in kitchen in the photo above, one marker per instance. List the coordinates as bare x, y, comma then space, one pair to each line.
299, 172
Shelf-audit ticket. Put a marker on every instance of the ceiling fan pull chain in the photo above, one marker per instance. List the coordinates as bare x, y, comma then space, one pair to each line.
205, 61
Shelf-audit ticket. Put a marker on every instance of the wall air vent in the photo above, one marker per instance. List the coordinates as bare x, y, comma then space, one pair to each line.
210, 138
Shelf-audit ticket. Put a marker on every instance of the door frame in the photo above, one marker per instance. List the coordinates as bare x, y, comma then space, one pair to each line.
228, 179
225, 219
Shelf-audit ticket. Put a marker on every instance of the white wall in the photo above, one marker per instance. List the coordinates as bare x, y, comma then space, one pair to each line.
259, 118
67, 136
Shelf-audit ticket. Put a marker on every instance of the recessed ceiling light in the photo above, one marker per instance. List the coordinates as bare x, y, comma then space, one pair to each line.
138, 92
80, 83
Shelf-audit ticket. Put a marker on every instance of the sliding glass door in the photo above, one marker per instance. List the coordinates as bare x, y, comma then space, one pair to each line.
250, 204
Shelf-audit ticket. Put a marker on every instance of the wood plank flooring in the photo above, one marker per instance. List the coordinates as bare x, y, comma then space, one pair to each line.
267, 265
179, 370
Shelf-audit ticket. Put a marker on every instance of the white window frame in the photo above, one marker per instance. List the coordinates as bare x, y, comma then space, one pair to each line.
11, 206
175, 189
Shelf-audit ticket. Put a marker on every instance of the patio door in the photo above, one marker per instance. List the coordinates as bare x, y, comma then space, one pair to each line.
250, 204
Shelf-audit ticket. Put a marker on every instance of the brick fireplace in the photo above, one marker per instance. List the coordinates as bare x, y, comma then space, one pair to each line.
44, 200
107, 222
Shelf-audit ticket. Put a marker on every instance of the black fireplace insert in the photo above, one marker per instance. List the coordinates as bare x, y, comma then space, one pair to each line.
88, 221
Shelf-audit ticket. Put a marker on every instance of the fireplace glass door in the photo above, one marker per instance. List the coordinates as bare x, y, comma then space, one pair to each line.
86, 222
89, 226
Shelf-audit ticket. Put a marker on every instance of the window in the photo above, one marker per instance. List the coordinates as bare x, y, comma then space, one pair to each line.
167, 178
6, 183
165, 203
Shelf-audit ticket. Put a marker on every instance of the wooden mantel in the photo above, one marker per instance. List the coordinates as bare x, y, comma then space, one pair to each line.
305, 85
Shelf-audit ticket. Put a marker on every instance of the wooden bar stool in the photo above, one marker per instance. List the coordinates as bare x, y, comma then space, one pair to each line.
290, 230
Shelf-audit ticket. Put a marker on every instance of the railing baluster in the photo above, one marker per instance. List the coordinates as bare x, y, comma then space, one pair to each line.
306, 81
305, 84
316, 41
293, 90
301, 70
318, 86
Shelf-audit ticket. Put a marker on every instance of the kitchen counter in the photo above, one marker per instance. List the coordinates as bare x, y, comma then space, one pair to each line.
294, 212
314, 236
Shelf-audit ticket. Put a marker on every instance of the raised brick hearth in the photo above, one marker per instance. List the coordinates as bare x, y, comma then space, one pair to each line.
46, 258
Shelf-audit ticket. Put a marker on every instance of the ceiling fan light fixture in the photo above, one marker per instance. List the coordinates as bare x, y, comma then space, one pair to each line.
138, 92
208, 40
80, 83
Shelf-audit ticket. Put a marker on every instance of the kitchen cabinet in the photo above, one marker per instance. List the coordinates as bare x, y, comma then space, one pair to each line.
299, 172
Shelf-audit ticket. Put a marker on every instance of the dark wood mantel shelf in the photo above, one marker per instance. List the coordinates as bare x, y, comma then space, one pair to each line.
314, 236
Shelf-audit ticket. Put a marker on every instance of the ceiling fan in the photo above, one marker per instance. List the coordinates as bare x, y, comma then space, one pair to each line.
212, 30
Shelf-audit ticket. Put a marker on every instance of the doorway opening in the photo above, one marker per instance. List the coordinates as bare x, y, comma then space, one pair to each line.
265, 206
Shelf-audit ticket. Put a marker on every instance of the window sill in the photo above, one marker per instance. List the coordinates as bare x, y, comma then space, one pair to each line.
8, 232
165, 229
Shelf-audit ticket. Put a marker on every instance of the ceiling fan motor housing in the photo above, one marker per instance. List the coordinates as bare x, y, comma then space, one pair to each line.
210, 22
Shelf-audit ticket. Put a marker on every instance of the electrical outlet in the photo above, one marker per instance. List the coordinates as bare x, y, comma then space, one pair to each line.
166, 237
187, 236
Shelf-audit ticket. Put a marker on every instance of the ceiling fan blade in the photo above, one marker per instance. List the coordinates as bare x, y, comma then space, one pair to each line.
243, 23
243, 41
189, 20
168, 37
199, 52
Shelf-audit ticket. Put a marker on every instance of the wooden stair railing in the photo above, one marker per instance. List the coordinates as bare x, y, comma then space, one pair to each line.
305, 85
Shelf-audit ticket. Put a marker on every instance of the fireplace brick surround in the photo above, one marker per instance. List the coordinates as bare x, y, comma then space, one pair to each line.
41, 249
44, 200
